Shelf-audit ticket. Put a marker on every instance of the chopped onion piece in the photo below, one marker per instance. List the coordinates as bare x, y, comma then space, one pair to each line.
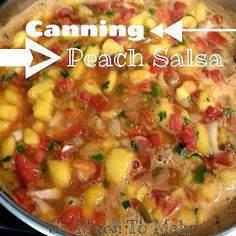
42, 205
213, 134
47, 194
115, 128
17, 135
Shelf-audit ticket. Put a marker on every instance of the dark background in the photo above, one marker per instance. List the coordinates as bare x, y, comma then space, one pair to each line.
9, 224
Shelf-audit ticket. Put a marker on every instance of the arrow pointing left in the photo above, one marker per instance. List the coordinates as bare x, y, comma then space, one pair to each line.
24, 58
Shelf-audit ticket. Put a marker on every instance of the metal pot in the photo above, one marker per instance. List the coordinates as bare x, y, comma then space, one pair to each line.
8, 9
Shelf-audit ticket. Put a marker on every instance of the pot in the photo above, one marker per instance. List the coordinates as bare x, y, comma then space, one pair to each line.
8, 9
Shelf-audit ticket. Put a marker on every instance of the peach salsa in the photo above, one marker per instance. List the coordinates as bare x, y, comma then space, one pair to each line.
96, 144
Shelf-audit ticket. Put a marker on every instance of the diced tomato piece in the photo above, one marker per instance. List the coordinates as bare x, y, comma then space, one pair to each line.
215, 75
85, 97
64, 85
145, 86
143, 167
164, 200
127, 14
18, 80
99, 218
26, 170
44, 142
216, 38
64, 62
188, 138
176, 122
100, 102
71, 217
102, 6
201, 43
37, 155
178, 11
225, 159
56, 48
135, 202
24, 200
65, 21
165, 14
212, 114
218, 19
64, 12
98, 172
154, 139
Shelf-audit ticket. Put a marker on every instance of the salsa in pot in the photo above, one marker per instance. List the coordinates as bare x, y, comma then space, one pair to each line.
98, 144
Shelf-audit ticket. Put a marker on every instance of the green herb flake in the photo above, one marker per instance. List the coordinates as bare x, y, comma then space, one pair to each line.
64, 73
6, 159
122, 114
228, 112
151, 11
187, 121
109, 14
82, 106
147, 32
126, 204
155, 90
162, 115
78, 45
134, 145
105, 85
98, 158
200, 175
180, 149
20, 148
53, 147
122, 194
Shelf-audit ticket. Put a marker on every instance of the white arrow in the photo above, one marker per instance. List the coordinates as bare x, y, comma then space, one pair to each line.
24, 58
176, 30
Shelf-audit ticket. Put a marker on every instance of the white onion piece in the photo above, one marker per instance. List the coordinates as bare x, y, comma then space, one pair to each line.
55, 119
213, 134
207, 24
42, 205
47, 194
115, 128
195, 117
17, 135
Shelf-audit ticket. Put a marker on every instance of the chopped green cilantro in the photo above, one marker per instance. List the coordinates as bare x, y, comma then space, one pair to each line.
162, 115
20, 148
126, 204
151, 11
200, 175
122, 114
134, 145
155, 90
187, 121
180, 149
53, 147
105, 85
64, 73
228, 112
109, 14
98, 158
6, 159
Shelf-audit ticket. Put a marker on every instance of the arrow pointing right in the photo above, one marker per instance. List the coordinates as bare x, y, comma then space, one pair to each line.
24, 58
